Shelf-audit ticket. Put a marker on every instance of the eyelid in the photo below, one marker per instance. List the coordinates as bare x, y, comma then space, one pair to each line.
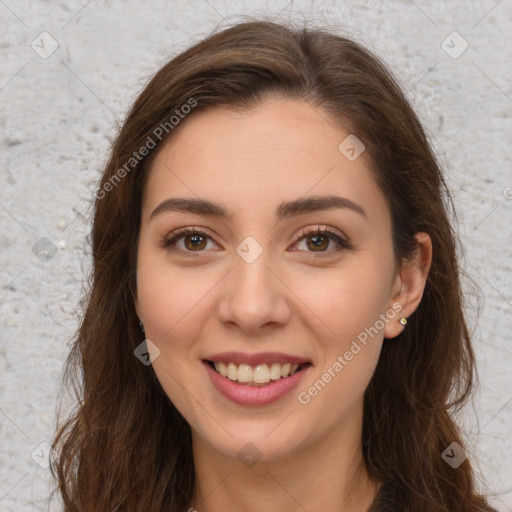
327, 231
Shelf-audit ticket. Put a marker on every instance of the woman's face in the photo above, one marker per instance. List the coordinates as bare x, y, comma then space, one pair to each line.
257, 290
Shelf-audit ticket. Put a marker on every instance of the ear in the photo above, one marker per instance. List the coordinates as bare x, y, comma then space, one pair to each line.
409, 284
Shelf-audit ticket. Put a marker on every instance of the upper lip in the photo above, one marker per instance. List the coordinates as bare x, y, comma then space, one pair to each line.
256, 359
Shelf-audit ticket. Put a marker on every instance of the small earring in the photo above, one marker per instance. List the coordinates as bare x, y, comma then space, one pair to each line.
142, 327
403, 321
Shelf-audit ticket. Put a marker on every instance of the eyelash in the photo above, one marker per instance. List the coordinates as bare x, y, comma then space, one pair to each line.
168, 243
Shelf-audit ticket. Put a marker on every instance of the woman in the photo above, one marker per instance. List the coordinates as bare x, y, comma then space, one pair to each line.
275, 316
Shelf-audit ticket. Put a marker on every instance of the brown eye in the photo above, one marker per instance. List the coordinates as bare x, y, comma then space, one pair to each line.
187, 241
195, 241
318, 241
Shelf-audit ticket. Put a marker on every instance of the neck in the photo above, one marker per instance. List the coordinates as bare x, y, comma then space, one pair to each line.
328, 475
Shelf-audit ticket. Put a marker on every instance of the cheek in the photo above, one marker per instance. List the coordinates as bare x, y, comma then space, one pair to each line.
348, 309
345, 301
174, 302
348, 354
176, 306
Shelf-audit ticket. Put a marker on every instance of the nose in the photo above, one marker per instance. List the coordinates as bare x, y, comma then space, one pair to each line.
254, 296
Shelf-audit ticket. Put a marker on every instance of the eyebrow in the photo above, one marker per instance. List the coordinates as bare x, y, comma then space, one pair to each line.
285, 210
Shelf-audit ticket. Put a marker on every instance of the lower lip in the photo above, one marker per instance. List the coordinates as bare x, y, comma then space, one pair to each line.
254, 395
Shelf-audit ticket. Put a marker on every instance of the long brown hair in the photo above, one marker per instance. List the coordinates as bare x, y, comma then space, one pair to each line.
125, 445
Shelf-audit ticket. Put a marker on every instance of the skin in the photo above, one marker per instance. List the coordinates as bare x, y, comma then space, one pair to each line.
293, 298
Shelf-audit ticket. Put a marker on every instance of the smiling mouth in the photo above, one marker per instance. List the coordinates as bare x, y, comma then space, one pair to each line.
258, 375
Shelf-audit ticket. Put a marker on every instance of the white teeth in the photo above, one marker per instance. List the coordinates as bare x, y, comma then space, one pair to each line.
285, 369
260, 374
232, 371
244, 373
275, 371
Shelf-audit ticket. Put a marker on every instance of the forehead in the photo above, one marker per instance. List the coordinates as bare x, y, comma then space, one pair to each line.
254, 159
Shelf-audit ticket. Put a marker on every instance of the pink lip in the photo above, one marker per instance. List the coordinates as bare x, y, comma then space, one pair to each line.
253, 395
255, 359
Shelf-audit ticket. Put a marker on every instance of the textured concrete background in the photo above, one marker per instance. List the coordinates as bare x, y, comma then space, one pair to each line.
59, 113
